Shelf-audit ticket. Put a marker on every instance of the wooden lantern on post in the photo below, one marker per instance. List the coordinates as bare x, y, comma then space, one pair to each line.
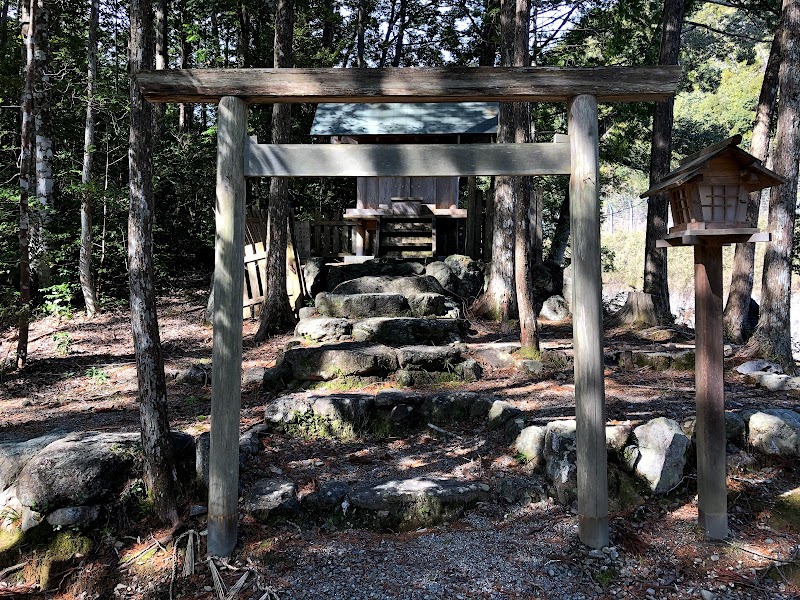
708, 195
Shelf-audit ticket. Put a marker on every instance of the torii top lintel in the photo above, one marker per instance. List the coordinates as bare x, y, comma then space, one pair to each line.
410, 84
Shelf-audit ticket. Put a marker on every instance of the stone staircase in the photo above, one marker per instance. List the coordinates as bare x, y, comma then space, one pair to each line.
380, 319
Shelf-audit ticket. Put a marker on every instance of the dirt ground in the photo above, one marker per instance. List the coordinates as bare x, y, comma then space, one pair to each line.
82, 376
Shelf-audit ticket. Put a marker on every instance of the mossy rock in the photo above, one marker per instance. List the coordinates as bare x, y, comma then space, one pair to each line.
786, 513
61, 549
624, 491
683, 361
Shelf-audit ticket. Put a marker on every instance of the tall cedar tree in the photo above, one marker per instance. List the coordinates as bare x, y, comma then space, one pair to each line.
276, 314
738, 305
525, 211
87, 201
27, 21
772, 337
42, 104
655, 259
499, 302
159, 463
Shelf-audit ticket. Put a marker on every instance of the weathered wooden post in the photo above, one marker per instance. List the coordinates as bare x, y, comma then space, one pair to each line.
587, 328
226, 390
708, 196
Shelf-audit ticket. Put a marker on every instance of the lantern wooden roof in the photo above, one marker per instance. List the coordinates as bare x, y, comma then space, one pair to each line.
758, 177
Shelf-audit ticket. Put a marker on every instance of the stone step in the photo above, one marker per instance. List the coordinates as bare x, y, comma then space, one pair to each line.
388, 504
405, 285
339, 273
361, 306
354, 359
405, 331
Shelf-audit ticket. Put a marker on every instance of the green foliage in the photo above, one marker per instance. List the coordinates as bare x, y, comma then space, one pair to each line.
63, 343
97, 375
57, 300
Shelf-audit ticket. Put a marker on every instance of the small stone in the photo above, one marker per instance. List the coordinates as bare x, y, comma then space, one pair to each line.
707, 595
651, 592
714, 557
769, 541
197, 509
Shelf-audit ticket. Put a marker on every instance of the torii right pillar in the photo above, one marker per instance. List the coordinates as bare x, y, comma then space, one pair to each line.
587, 322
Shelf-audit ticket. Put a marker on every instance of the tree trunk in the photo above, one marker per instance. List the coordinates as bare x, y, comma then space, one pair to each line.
243, 40
27, 22
738, 306
276, 314
655, 259
162, 61
363, 15
772, 337
487, 47
159, 463
526, 301
40, 263
3, 27
558, 246
499, 301
85, 261
401, 31
184, 110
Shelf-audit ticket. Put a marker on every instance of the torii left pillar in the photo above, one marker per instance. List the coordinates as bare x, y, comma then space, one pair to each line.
226, 366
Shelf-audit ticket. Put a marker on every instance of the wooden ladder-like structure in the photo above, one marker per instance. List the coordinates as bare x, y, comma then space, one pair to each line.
406, 237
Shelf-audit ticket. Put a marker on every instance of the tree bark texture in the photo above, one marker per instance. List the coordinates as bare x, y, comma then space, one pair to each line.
558, 246
276, 314
523, 250
655, 259
27, 22
3, 27
363, 15
401, 32
159, 464
499, 301
162, 60
772, 337
184, 110
737, 307
87, 201
42, 98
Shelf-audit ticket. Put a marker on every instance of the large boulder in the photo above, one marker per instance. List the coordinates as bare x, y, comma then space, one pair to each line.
415, 502
530, 445
337, 274
287, 409
452, 407
555, 308
314, 274
270, 497
326, 362
354, 409
758, 366
79, 469
407, 286
775, 431
324, 329
360, 306
560, 455
15, 455
409, 331
500, 413
443, 274
468, 274
662, 452
430, 305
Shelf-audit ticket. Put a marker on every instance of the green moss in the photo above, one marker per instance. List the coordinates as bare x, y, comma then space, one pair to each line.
311, 426
10, 539
786, 514
607, 577
528, 353
343, 384
64, 546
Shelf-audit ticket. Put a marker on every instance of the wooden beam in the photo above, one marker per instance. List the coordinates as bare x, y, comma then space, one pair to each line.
226, 363
712, 500
587, 323
403, 160
440, 84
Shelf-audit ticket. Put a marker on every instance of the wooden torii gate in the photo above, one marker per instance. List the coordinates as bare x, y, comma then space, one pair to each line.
238, 157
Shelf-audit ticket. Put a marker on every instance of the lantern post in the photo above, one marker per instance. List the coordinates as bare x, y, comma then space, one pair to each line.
708, 195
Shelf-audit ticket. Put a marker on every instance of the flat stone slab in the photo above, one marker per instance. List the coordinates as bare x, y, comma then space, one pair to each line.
386, 494
430, 358
324, 329
362, 306
407, 286
269, 497
329, 361
339, 273
409, 331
